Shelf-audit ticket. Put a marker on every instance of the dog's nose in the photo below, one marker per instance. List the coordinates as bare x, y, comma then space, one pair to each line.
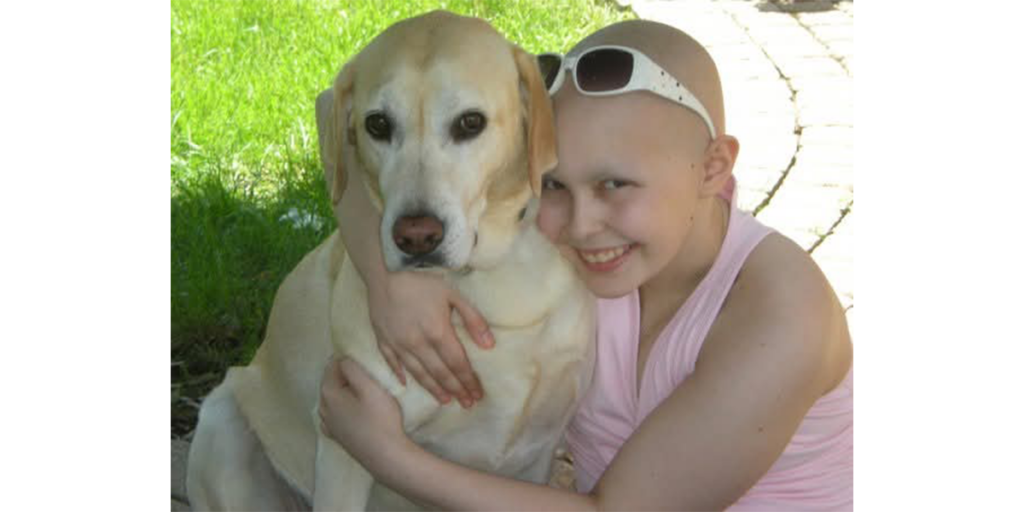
417, 235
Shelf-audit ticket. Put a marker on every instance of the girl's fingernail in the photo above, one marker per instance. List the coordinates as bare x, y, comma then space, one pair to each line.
477, 394
445, 399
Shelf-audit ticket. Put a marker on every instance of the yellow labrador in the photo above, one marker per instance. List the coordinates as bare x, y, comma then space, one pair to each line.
451, 126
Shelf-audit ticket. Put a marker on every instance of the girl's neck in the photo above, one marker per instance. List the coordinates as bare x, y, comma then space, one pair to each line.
698, 252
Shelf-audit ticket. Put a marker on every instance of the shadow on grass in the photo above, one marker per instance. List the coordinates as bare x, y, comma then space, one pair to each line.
229, 252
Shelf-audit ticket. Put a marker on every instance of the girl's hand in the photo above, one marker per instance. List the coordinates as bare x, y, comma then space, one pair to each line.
411, 317
361, 415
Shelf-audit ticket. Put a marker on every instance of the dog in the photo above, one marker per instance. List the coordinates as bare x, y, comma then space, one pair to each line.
451, 127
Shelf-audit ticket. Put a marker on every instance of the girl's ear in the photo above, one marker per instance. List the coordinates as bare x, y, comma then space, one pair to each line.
719, 159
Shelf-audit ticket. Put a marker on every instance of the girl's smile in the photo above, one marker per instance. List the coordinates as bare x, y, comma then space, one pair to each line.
607, 259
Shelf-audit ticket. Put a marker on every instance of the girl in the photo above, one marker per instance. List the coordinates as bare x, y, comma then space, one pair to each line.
723, 373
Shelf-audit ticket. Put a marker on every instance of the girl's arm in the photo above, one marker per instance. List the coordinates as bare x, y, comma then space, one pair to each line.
410, 312
449, 486
779, 345
381, 446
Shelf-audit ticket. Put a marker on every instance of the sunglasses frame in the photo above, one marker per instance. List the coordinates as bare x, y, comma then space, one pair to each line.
646, 76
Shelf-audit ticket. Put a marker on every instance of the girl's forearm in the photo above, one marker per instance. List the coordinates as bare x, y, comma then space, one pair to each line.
428, 479
362, 236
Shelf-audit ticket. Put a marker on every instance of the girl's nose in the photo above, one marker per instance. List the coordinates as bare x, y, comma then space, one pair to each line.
585, 219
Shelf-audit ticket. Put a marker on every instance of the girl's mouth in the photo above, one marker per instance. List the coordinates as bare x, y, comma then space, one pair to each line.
605, 260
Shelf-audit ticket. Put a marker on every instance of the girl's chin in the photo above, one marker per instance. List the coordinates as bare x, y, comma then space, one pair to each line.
609, 285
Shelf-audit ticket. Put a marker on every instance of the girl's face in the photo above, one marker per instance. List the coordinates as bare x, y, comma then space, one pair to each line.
622, 200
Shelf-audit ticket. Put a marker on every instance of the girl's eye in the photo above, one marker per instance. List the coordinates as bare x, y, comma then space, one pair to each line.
551, 184
613, 184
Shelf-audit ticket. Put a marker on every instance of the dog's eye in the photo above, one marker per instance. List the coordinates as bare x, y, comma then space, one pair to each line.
378, 126
468, 125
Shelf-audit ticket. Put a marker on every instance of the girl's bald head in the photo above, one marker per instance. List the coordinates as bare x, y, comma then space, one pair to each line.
673, 50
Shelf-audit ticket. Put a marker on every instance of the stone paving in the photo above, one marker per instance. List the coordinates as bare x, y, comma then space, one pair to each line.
787, 70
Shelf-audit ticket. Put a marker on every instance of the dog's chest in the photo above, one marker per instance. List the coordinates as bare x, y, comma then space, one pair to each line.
529, 397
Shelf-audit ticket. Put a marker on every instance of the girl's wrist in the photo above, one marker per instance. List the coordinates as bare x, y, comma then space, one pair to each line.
399, 462
377, 288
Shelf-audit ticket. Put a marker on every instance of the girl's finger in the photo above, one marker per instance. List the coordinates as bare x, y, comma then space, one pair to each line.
441, 374
333, 380
392, 359
475, 323
453, 355
424, 378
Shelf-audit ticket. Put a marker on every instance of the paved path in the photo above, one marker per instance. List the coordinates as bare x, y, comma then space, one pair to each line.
787, 69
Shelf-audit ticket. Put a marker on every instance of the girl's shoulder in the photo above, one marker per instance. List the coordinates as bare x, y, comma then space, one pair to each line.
779, 265
779, 268
782, 301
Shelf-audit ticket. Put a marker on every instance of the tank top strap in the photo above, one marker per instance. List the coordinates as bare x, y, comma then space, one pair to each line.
690, 326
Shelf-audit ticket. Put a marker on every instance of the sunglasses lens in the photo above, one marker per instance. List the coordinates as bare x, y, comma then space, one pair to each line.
550, 66
604, 70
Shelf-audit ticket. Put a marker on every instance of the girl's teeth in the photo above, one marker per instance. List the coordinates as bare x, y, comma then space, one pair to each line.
604, 256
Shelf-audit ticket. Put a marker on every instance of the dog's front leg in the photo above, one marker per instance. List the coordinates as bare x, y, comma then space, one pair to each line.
341, 483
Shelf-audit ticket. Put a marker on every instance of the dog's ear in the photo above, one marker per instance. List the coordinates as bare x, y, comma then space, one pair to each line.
325, 134
332, 117
539, 118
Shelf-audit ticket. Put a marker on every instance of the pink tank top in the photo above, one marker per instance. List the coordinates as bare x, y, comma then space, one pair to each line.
815, 471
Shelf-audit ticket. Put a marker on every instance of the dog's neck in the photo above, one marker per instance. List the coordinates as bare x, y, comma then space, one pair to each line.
532, 278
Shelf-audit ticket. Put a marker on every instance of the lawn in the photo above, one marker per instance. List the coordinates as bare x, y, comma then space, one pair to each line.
247, 197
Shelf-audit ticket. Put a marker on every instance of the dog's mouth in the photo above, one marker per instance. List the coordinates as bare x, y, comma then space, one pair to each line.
423, 261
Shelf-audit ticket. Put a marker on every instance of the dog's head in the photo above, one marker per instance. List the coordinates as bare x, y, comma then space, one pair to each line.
453, 128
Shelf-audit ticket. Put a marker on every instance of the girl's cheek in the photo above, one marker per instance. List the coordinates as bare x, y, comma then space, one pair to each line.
552, 215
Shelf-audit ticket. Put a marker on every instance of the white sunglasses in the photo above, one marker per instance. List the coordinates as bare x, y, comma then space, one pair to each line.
608, 70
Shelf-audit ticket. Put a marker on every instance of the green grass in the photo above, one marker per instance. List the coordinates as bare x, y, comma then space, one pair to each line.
244, 75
